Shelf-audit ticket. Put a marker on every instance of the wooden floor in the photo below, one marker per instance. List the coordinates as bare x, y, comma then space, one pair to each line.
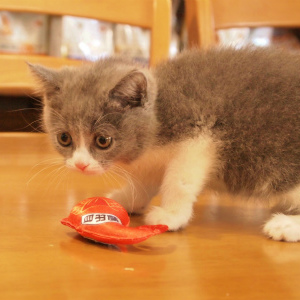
221, 255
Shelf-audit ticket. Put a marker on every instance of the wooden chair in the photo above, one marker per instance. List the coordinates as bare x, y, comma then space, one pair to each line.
204, 17
151, 14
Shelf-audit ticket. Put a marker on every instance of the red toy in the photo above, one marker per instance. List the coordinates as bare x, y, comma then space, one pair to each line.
106, 221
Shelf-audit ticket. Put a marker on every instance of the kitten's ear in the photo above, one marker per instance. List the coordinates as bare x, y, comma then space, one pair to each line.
131, 91
48, 79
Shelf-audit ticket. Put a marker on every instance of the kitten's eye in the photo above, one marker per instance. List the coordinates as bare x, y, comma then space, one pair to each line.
103, 142
64, 139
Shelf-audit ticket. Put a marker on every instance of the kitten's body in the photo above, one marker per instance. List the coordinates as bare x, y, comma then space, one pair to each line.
205, 116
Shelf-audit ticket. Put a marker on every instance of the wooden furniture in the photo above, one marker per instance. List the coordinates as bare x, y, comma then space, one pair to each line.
220, 255
204, 17
151, 14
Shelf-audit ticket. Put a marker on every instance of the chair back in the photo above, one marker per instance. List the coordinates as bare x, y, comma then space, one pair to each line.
205, 17
150, 14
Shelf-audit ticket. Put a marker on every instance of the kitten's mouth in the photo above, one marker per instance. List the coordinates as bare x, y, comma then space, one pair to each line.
87, 170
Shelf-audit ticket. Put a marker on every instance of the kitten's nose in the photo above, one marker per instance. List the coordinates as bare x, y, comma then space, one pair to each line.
81, 166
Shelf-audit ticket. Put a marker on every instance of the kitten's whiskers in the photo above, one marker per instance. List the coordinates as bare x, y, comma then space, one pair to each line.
132, 182
49, 163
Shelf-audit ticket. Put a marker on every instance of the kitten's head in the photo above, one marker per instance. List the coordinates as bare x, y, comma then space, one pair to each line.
99, 113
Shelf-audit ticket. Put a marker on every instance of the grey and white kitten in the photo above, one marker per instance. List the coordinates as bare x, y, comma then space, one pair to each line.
221, 114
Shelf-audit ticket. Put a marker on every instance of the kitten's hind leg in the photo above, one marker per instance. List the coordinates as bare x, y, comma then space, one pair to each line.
286, 226
184, 178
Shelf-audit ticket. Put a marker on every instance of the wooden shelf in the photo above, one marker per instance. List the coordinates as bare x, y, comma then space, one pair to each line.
155, 15
15, 77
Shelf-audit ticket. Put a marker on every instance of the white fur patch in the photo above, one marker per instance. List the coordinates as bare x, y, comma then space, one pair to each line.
82, 157
187, 172
283, 228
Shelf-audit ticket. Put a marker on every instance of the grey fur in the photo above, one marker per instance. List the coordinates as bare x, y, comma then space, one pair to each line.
247, 99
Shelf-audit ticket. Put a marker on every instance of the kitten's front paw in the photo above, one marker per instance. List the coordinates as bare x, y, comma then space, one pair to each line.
174, 219
283, 228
